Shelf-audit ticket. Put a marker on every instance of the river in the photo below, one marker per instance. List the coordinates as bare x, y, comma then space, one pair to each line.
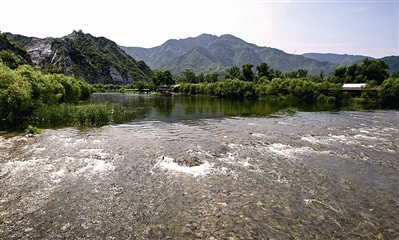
211, 169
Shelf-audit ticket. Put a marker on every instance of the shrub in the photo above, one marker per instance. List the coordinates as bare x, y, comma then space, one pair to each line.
33, 130
15, 96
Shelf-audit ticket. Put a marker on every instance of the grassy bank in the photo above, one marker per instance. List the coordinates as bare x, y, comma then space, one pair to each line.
77, 115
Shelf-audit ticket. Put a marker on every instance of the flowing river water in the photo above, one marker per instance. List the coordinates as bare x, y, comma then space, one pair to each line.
187, 172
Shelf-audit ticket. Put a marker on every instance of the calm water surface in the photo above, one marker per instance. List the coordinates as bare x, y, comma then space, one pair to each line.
189, 168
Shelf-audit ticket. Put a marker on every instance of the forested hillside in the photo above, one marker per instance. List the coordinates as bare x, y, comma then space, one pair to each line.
94, 59
208, 53
339, 59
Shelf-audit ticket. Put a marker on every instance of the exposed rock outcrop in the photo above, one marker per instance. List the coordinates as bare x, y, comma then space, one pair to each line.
20, 53
96, 60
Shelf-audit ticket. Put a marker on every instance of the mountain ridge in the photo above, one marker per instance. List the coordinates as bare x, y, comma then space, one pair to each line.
229, 51
94, 59
336, 58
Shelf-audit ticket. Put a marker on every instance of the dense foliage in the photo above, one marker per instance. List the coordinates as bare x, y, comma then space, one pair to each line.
24, 88
244, 83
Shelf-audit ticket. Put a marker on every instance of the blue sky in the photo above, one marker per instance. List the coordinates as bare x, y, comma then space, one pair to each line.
331, 26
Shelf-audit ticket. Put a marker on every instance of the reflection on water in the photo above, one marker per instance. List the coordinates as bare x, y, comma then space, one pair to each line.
190, 169
176, 107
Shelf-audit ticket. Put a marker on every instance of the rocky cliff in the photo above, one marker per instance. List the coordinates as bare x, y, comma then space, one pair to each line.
7, 45
94, 59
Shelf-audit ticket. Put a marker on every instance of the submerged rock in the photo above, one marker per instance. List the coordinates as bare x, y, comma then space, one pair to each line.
190, 161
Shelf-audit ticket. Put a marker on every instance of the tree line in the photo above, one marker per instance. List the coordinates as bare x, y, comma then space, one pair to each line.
381, 89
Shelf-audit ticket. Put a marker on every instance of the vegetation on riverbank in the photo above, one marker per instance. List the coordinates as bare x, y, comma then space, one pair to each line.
77, 115
28, 95
381, 90
46, 97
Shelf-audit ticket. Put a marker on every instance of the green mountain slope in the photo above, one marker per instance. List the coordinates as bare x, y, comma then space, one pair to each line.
158, 57
340, 59
345, 59
197, 58
220, 54
10, 46
94, 59
393, 63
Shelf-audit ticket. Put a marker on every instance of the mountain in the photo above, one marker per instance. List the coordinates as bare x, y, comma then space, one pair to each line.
158, 56
197, 58
339, 59
22, 54
345, 59
393, 63
208, 53
94, 59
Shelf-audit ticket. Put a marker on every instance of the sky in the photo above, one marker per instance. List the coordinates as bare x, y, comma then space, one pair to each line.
356, 27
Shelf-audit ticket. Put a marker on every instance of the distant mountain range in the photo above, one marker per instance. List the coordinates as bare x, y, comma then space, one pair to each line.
340, 59
96, 60
100, 60
208, 53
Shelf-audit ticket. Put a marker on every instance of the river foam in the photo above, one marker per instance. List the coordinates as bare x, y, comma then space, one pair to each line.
168, 163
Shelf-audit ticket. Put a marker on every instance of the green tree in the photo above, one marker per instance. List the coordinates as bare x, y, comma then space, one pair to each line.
15, 96
200, 78
45, 90
300, 73
375, 70
247, 72
263, 70
389, 92
234, 73
163, 77
10, 60
354, 74
395, 74
189, 77
211, 77
340, 72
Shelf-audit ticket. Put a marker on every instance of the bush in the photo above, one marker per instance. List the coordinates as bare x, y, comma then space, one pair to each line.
24, 89
389, 93
33, 130
10, 60
15, 96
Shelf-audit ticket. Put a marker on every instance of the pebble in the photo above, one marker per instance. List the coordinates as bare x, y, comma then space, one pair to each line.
199, 235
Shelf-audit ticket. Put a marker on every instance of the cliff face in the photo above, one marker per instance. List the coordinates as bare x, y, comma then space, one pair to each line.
20, 53
96, 60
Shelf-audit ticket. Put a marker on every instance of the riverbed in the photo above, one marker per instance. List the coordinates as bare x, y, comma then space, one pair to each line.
310, 175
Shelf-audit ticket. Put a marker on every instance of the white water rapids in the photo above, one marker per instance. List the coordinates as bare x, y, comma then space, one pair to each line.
309, 176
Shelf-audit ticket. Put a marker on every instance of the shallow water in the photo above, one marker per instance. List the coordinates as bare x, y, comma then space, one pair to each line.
313, 175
